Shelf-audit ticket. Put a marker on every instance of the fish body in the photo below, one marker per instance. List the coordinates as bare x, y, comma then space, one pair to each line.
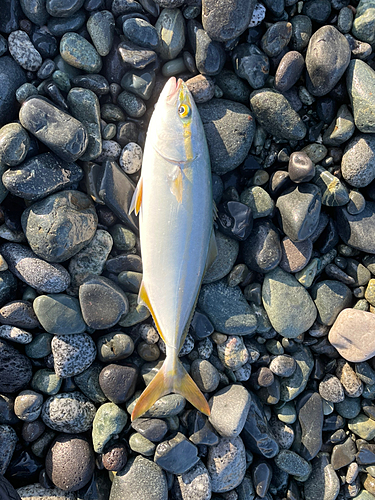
174, 200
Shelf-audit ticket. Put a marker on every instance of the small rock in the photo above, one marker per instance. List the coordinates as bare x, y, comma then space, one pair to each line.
262, 250
178, 455
323, 482
358, 162
229, 408
79, 53
69, 412
118, 382
330, 389
15, 369
28, 405
23, 51
72, 354
194, 484
8, 440
290, 462
109, 421
226, 20
59, 314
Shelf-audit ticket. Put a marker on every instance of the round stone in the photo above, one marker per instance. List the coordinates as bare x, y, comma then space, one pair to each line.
118, 382
114, 346
23, 51
227, 254
46, 381
358, 162
109, 421
28, 405
69, 412
14, 144
229, 423
295, 255
15, 369
115, 457
205, 375
131, 158
72, 354
261, 250
79, 53
300, 167
330, 388
292, 463
59, 314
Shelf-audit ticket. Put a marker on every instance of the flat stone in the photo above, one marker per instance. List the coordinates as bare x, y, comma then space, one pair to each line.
69, 226
226, 464
67, 138
292, 463
358, 161
330, 298
140, 479
287, 303
170, 27
352, 334
229, 408
69, 412
102, 302
41, 176
343, 454
109, 421
153, 429
285, 123
226, 20
101, 27
59, 314
327, 57
229, 129
291, 387
12, 76
177, 455
300, 223
72, 354
323, 482
234, 316
35, 272
15, 369
79, 53
310, 417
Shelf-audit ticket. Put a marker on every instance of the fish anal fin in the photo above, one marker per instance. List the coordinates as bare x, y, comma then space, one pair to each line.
144, 298
212, 252
157, 388
137, 198
176, 184
183, 384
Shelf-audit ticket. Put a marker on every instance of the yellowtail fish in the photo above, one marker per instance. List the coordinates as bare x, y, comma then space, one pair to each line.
174, 201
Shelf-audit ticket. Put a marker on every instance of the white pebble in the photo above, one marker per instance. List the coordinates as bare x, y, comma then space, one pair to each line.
131, 158
259, 13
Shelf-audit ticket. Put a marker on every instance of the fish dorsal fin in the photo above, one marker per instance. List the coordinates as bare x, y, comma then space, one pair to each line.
137, 198
144, 298
212, 252
175, 183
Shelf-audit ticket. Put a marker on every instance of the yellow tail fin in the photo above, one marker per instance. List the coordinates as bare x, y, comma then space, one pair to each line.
166, 382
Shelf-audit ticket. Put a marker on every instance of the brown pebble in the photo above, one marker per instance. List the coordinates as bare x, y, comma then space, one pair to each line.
295, 255
115, 457
202, 87
148, 352
264, 377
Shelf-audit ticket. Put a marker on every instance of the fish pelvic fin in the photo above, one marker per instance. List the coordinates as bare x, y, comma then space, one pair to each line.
176, 184
136, 202
167, 381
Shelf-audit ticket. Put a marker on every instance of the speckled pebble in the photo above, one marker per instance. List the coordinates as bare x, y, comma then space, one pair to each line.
72, 354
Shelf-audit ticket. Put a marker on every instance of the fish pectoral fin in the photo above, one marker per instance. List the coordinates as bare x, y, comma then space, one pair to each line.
212, 252
166, 382
143, 298
215, 210
184, 385
175, 183
157, 388
137, 198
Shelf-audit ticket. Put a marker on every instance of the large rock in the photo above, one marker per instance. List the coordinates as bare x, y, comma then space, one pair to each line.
353, 335
226, 19
360, 81
287, 303
358, 161
358, 231
364, 22
229, 128
327, 57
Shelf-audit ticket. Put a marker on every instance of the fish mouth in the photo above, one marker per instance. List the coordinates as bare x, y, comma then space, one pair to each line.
174, 87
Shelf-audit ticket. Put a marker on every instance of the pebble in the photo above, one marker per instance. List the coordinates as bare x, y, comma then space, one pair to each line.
226, 464
170, 27
295, 255
259, 201
15, 369
276, 38
310, 417
59, 314
234, 316
330, 298
236, 398
353, 386
323, 483
194, 484
205, 375
363, 22
251, 64
131, 158
177, 455
341, 129
283, 433
327, 57
333, 192
72, 354
140, 479
262, 250
140, 444
118, 382
102, 302
70, 209
79, 53
38, 491
8, 441
115, 458
19, 313
202, 88
69, 412
228, 145
142, 33
285, 124
28, 405
283, 365
153, 429
101, 27
14, 144
15, 334
343, 454
109, 421
41, 275
41, 176
351, 335
114, 346
70, 462
331, 389
362, 426
88, 383
358, 164
289, 70
46, 381
13, 77
23, 51
233, 353
291, 387
225, 21
287, 303
68, 138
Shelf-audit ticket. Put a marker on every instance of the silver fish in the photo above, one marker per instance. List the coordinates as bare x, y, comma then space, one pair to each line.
174, 201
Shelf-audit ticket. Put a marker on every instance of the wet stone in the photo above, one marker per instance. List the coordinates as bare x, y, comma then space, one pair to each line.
109, 421
41, 176
251, 64
59, 314
234, 316
285, 123
70, 462
177, 455
67, 209
69, 412
79, 53
23, 51
67, 138
72, 354
327, 58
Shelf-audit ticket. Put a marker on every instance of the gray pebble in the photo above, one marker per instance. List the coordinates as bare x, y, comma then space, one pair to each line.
23, 51
72, 354
69, 412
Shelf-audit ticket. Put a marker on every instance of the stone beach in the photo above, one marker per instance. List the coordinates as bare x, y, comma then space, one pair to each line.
282, 342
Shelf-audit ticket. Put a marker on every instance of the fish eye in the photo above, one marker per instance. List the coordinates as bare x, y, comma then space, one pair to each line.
184, 111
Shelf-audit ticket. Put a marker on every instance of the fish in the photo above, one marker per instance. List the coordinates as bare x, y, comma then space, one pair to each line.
173, 199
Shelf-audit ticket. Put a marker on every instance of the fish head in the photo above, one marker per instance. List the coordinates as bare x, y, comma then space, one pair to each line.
176, 125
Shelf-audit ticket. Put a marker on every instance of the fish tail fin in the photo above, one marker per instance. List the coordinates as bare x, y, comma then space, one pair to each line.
166, 381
